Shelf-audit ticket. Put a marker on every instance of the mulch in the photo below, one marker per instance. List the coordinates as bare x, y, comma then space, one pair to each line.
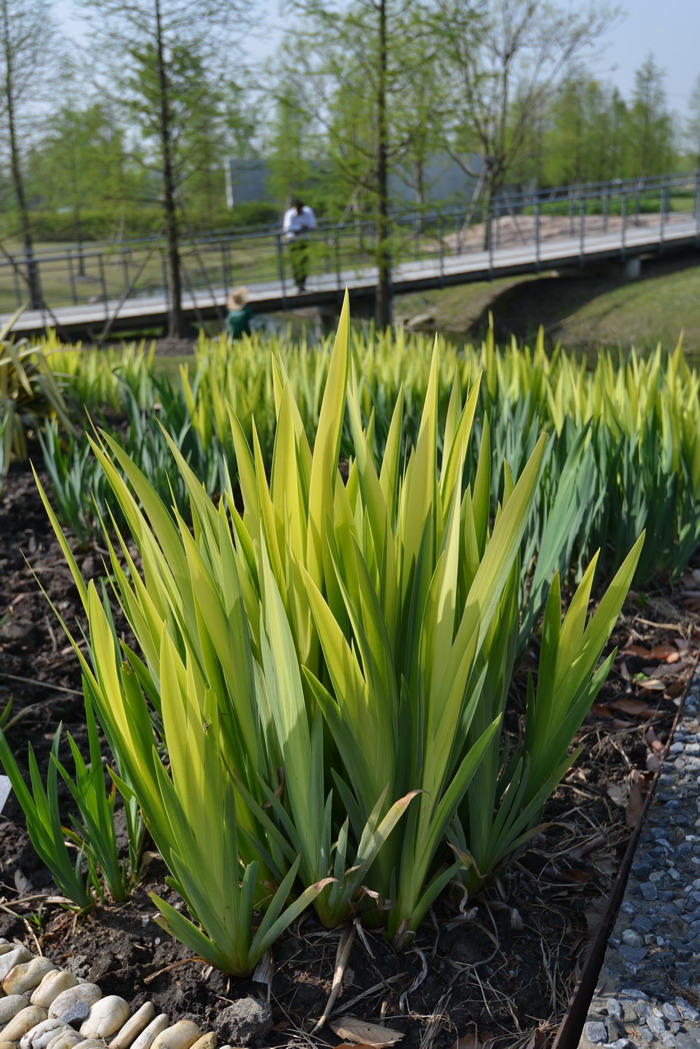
496, 970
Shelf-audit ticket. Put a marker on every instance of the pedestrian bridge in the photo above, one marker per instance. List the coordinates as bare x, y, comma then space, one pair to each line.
614, 223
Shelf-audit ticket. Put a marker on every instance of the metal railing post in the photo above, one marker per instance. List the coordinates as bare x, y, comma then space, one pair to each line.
336, 245
442, 249
71, 277
662, 217
537, 236
623, 215
571, 213
18, 288
582, 216
125, 266
489, 237
697, 207
103, 282
606, 208
280, 268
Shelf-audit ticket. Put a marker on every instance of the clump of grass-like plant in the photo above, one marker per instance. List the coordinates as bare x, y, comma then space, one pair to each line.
329, 661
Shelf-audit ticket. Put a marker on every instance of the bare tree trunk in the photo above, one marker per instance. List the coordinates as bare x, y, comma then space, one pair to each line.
176, 322
383, 299
33, 285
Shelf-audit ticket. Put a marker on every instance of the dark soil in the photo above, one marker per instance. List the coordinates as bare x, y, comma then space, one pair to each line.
500, 967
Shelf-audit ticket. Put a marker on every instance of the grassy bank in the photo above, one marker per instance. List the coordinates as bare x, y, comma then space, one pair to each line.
583, 312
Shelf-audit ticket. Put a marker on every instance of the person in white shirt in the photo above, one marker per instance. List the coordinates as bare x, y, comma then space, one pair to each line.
298, 221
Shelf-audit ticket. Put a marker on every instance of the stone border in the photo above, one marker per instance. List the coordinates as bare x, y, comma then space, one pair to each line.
44, 1007
648, 990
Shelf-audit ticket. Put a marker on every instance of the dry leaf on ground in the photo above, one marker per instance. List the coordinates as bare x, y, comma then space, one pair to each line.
364, 1033
468, 1041
635, 801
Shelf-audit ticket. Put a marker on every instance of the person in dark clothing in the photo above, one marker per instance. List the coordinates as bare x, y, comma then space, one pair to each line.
240, 313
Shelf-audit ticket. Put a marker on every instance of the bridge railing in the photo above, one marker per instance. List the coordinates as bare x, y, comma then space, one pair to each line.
212, 264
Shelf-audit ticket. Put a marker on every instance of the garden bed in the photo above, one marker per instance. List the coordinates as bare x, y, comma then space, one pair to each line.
494, 970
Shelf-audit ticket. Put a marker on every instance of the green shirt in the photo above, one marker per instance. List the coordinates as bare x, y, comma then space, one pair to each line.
238, 322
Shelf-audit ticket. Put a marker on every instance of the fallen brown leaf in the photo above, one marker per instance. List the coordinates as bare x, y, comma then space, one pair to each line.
362, 1032
468, 1041
635, 801
652, 684
628, 706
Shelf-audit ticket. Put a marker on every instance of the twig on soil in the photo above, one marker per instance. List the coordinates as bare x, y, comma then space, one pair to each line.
41, 684
435, 1021
173, 965
341, 963
374, 989
419, 979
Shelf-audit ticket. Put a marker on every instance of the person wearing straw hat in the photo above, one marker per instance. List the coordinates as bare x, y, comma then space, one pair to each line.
239, 313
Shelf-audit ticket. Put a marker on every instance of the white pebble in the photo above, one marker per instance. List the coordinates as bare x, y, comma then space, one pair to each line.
51, 986
10, 1006
12, 958
66, 1039
27, 975
22, 1022
133, 1026
66, 1000
146, 1039
181, 1035
106, 1017
40, 1036
207, 1041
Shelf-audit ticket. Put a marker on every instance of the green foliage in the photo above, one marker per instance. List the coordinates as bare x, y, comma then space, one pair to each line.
29, 395
93, 836
359, 635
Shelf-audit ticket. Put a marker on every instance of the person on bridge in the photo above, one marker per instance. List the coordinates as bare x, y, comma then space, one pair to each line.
299, 220
240, 313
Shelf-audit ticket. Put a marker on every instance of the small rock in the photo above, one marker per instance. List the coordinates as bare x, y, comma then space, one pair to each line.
40, 1036
9, 959
67, 1038
181, 1035
656, 1025
74, 1005
594, 1033
106, 1017
51, 986
149, 1035
634, 955
246, 1019
10, 1006
614, 1008
134, 1026
687, 1010
686, 1041
22, 1022
27, 975
649, 890
631, 938
207, 1041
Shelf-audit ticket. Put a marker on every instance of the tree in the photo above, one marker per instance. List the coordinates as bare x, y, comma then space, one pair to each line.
169, 52
26, 42
80, 167
507, 59
693, 124
288, 147
350, 86
650, 123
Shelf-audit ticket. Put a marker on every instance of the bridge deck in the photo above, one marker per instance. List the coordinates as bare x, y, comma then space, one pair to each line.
681, 232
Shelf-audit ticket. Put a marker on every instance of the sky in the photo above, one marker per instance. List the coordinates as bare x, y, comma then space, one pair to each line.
668, 29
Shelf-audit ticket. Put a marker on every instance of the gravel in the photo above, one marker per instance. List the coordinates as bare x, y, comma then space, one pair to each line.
648, 991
